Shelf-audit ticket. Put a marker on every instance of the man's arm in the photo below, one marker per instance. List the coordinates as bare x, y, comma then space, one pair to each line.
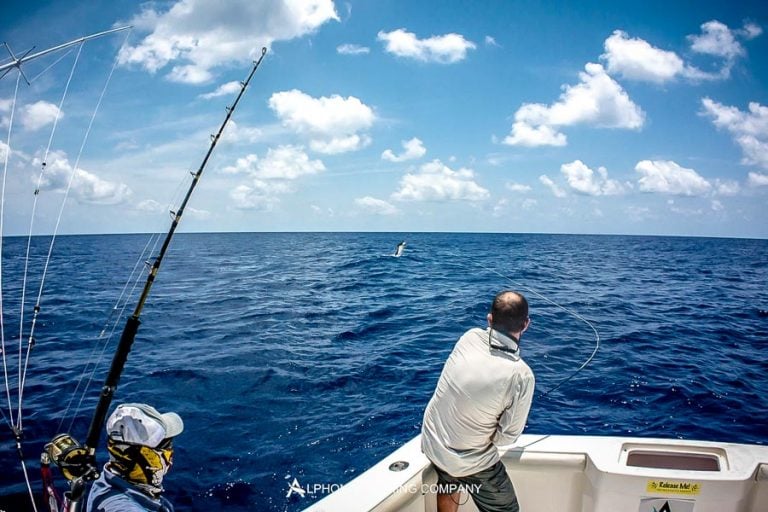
512, 420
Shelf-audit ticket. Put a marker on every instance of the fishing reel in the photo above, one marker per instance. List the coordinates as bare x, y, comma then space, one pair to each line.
73, 460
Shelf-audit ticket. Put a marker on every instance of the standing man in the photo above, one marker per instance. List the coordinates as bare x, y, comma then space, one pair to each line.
140, 445
481, 401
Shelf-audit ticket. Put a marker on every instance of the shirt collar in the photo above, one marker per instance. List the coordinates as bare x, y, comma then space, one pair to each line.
499, 338
133, 491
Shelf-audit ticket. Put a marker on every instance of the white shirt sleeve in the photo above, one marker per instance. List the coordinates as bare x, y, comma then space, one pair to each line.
513, 418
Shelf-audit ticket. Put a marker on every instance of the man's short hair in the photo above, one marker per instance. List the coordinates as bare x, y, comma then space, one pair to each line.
509, 311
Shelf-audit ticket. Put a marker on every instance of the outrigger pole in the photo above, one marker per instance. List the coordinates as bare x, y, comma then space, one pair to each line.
17, 62
78, 463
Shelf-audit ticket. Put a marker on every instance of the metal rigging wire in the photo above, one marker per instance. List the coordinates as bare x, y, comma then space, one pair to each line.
56, 229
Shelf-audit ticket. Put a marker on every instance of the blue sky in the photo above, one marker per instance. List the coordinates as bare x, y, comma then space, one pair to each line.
497, 116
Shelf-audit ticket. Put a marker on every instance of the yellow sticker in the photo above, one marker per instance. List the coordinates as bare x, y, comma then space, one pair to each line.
667, 487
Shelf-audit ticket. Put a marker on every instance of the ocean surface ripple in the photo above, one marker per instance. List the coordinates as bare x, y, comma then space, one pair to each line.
313, 355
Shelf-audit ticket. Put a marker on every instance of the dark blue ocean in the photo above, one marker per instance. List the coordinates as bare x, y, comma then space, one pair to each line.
313, 355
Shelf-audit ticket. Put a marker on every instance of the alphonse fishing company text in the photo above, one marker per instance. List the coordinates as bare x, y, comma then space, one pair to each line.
296, 488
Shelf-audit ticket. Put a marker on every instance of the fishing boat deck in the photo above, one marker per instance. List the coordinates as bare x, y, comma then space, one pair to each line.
581, 473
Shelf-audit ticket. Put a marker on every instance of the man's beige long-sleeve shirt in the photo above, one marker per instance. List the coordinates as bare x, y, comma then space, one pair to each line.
481, 401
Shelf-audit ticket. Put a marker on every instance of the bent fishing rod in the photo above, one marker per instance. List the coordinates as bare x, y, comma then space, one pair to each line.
78, 462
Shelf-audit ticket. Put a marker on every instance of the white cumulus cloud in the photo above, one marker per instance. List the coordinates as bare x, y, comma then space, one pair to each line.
283, 163
751, 31
334, 124
501, 207
435, 181
523, 134
328, 212
584, 180
597, 100
413, 149
39, 114
197, 36
270, 177
343, 144
258, 195
229, 88
86, 186
376, 206
757, 179
195, 213
749, 129
352, 49
235, 133
667, 177
517, 187
5, 107
636, 59
444, 49
727, 188
149, 205
716, 39
547, 182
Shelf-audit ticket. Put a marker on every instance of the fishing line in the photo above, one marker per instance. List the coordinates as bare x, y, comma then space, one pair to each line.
567, 310
121, 304
122, 300
34, 203
58, 222
5, 418
117, 318
103, 351
2, 233
175, 199
112, 321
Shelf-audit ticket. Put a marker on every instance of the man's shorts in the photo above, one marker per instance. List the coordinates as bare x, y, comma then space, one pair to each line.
491, 489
